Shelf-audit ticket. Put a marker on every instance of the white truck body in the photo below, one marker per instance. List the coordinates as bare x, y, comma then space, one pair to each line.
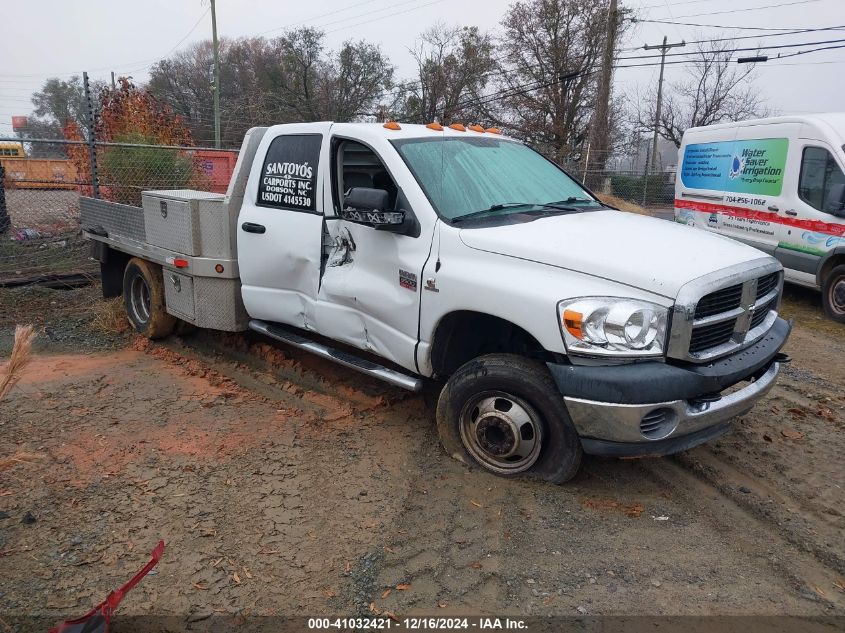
636, 323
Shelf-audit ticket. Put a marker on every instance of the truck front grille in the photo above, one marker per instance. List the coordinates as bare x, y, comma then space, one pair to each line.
715, 317
719, 301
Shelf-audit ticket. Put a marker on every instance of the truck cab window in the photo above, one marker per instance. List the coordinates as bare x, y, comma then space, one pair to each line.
359, 166
821, 182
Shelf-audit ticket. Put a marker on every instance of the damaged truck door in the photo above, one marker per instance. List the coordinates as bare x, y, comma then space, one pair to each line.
280, 224
370, 288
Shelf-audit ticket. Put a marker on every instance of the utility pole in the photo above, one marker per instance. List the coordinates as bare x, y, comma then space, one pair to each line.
663, 48
600, 131
216, 87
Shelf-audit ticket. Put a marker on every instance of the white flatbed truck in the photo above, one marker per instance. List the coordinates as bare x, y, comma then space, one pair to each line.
557, 325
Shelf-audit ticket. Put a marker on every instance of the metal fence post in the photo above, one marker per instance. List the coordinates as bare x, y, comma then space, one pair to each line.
92, 149
5, 222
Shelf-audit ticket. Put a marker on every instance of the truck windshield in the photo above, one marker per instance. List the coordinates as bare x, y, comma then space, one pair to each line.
487, 176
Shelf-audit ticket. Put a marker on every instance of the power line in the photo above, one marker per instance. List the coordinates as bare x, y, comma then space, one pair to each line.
751, 37
721, 26
769, 6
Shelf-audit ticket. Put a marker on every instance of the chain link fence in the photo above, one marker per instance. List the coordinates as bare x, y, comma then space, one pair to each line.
40, 234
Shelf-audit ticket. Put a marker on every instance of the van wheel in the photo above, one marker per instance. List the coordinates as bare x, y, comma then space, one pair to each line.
504, 413
143, 296
833, 294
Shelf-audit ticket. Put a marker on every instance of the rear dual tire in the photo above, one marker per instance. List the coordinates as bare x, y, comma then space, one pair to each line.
143, 296
504, 413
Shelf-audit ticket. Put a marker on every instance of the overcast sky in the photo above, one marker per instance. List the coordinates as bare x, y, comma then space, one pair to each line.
57, 38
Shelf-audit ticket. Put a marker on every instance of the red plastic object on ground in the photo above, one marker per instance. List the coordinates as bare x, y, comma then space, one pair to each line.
97, 619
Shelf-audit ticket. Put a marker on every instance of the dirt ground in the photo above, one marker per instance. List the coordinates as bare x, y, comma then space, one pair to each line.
285, 485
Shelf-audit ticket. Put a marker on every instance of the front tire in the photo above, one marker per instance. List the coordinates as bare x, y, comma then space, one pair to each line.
143, 296
833, 294
504, 413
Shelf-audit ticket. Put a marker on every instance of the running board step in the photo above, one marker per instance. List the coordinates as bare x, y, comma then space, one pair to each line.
346, 359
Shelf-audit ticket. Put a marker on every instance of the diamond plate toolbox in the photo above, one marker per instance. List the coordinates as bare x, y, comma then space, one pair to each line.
189, 222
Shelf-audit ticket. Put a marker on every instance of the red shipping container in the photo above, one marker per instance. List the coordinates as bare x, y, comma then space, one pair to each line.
217, 167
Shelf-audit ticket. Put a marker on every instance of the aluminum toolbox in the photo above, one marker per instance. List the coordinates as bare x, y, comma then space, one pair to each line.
190, 222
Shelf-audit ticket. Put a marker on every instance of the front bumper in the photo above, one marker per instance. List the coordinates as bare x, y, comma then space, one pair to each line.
657, 408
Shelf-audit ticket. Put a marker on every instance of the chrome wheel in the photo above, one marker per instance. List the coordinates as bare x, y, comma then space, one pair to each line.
139, 299
501, 432
837, 295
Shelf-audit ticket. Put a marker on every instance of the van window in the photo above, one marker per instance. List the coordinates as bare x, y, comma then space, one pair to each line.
820, 175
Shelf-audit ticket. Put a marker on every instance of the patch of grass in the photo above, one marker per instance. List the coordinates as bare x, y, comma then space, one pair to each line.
110, 316
622, 205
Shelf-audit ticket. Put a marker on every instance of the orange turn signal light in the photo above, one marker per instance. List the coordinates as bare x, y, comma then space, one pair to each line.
219, 268
435, 126
493, 130
458, 127
392, 125
476, 128
573, 321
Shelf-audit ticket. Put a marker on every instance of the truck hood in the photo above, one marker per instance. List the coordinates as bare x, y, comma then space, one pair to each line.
647, 253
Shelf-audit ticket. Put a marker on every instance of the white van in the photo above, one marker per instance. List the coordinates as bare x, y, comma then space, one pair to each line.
777, 184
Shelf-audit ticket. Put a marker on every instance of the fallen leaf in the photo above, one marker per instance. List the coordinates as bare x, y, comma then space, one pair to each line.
247, 573
201, 586
792, 434
374, 608
348, 567
329, 592
475, 503
217, 562
236, 578
819, 591
441, 605
403, 586
826, 413
798, 413
475, 565
391, 615
389, 549
386, 593
839, 584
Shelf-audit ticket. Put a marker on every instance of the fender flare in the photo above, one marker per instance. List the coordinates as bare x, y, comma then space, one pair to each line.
839, 251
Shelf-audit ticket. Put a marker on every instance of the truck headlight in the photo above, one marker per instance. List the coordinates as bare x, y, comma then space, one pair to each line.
612, 326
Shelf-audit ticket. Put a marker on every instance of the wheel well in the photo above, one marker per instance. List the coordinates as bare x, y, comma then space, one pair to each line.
464, 335
828, 265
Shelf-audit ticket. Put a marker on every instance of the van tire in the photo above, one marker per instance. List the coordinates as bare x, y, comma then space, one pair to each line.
143, 296
517, 394
833, 293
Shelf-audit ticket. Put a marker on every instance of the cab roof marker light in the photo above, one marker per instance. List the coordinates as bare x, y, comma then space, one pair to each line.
434, 125
458, 127
392, 125
493, 130
476, 128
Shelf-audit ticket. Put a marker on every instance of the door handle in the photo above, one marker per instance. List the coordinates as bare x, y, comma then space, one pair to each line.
251, 227
791, 212
774, 208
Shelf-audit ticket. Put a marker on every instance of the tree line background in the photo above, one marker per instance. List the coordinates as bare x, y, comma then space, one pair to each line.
536, 77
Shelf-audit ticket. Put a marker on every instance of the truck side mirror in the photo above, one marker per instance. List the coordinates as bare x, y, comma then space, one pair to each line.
834, 202
370, 206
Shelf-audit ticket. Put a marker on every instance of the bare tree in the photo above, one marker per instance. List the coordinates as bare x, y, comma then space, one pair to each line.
544, 42
714, 90
453, 67
287, 79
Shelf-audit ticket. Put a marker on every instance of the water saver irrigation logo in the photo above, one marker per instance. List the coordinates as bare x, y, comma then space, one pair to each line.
737, 167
